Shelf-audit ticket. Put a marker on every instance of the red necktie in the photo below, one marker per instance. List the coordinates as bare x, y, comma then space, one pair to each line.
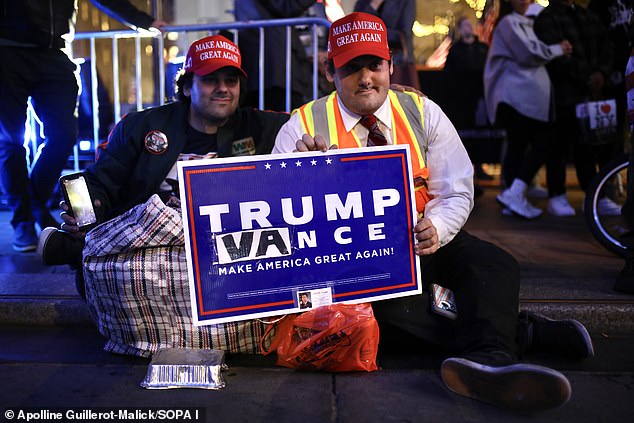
375, 137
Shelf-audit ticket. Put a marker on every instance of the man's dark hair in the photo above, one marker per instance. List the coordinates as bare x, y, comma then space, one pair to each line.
184, 80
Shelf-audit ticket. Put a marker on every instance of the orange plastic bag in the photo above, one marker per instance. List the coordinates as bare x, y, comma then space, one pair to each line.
334, 338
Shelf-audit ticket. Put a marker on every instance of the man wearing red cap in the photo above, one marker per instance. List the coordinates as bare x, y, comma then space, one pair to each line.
140, 157
487, 335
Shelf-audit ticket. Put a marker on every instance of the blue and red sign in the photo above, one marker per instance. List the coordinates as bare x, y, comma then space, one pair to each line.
269, 235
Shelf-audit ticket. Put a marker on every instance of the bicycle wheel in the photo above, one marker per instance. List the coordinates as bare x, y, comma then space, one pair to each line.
609, 184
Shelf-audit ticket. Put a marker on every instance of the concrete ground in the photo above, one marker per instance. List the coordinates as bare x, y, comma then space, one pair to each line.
51, 355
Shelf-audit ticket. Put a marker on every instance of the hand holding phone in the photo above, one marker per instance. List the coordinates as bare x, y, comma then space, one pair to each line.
77, 197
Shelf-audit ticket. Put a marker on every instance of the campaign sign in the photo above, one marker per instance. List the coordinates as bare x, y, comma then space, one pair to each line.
276, 234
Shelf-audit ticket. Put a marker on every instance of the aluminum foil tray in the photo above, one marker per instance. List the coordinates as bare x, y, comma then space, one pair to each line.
185, 368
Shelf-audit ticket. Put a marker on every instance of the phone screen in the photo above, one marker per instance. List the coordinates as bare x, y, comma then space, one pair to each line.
79, 200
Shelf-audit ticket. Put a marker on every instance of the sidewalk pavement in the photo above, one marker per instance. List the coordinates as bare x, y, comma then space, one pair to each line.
51, 355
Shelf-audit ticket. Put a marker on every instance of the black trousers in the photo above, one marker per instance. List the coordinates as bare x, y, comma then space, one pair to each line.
48, 77
527, 145
587, 158
485, 282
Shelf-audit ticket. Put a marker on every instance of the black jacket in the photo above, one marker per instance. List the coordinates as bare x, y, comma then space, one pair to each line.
42, 23
127, 174
592, 50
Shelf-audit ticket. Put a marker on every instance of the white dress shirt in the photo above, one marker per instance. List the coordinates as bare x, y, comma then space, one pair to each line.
450, 170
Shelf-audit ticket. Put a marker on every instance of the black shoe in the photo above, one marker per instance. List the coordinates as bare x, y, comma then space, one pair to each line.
58, 247
24, 237
566, 337
517, 386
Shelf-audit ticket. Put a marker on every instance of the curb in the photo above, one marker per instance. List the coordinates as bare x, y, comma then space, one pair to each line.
616, 316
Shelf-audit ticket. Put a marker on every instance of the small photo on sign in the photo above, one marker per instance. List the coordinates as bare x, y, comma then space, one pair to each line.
314, 298
304, 300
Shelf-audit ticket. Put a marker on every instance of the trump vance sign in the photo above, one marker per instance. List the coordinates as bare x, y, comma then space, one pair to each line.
269, 235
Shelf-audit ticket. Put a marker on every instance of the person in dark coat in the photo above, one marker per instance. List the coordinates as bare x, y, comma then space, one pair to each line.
33, 34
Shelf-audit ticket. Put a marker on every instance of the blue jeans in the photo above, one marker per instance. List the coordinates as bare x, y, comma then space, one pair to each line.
50, 78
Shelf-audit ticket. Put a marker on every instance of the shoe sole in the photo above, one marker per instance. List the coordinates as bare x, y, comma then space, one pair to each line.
520, 387
581, 329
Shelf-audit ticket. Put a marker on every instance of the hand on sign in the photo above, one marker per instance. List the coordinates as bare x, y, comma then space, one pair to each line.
427, 237
308, 143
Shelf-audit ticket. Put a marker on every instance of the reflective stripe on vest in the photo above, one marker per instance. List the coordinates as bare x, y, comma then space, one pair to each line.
322, 116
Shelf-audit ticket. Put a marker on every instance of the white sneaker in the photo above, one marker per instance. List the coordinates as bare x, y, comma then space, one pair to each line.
607, 207
559, 206
518, 204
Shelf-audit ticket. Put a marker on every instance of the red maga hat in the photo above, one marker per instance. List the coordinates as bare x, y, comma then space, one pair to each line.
209, 54
357, 34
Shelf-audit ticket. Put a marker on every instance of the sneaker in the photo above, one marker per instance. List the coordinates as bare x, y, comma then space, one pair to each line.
607, 207
518, 204
566, 337
24, 237
517, 386
507, 212
58, 247
559, 206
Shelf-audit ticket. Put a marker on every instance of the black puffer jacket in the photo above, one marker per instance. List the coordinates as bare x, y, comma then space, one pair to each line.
43, 23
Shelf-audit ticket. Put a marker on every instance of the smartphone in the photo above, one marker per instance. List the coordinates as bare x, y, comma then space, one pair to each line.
77, 197
443, 301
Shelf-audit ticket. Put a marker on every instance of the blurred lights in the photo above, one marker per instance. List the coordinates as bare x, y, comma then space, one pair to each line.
85, 145
477, 6
439, 27
148, 50
172, 52
172, 36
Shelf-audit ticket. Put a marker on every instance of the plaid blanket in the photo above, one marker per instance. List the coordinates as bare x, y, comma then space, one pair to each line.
137, 289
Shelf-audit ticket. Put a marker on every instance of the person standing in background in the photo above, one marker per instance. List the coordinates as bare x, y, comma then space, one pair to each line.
576, 79
33, 35
617, 16
274, 56
518, 96
399, 18
464, 68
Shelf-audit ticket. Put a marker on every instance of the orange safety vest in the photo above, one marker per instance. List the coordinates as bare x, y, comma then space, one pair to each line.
322, 116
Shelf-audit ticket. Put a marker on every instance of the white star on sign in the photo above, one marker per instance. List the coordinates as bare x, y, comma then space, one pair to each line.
298, 163
313, 162
328, 160
267, 166
283, 165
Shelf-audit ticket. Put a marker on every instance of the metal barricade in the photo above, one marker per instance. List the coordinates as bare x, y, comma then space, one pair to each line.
234, 27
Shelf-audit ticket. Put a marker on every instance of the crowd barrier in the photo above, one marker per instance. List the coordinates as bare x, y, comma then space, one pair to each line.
34, 134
